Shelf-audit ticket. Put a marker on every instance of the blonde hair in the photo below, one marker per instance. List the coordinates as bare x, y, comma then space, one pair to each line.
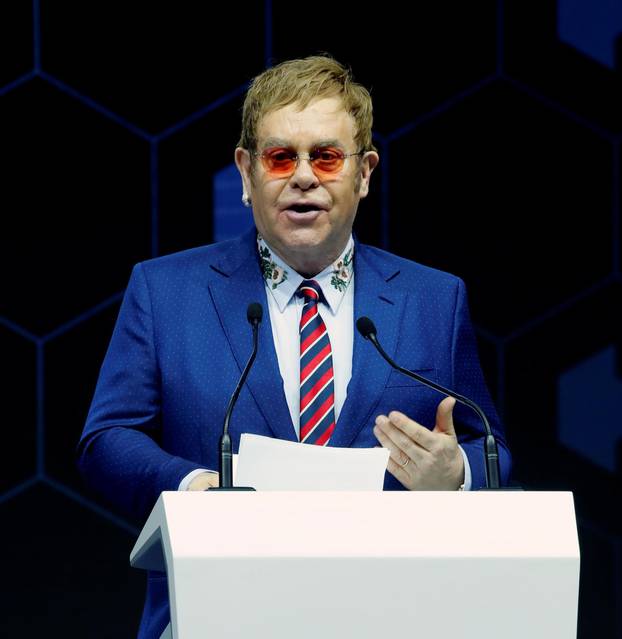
301, 81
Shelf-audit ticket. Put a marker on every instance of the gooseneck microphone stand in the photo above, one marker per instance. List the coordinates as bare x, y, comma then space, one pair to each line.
254, 314
368, 330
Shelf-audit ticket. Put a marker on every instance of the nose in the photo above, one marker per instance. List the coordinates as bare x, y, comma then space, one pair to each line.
303, 177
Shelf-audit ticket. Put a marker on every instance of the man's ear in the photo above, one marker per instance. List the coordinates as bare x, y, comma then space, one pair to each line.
368, 164
243, 162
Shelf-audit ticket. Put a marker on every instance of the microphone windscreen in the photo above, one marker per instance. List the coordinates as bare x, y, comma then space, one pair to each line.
365, 327
254, 312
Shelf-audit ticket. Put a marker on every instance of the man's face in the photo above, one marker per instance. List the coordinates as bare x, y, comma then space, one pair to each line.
306, 218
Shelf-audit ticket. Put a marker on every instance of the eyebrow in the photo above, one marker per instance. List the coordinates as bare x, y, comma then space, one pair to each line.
270, 142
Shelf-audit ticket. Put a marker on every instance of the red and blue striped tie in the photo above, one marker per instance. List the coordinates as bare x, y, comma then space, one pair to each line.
317, 395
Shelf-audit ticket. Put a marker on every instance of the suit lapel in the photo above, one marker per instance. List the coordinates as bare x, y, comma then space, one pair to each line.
384, 305
240, 284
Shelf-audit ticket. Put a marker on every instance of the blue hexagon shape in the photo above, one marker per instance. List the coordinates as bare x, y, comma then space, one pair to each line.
592, 27
589, 396
230, 216
536, 52
188, 161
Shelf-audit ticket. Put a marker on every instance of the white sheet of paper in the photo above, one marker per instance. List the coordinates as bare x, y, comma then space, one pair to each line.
275, 464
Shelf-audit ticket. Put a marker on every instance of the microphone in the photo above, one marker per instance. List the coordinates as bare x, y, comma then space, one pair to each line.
254, 315
367, 329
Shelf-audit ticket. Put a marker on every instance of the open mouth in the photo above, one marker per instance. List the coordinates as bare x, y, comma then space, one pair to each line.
303, 208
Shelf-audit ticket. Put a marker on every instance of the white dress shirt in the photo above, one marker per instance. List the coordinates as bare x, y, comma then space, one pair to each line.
285, 308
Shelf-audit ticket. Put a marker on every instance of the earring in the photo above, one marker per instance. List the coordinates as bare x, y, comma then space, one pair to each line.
246, 200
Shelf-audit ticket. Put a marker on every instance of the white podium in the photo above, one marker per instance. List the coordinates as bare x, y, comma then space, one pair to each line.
366, 565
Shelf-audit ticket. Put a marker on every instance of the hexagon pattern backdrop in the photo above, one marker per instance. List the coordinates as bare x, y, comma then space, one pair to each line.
499, 127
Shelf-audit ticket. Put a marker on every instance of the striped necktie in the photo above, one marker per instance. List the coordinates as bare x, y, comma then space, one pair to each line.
317, 396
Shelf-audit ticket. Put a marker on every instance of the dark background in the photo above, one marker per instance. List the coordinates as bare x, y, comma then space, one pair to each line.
498, 125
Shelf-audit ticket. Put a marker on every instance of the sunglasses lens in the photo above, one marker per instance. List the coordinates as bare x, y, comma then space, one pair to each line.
279, 161
327, 160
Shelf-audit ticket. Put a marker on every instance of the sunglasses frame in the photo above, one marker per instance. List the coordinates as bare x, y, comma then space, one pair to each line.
298, 156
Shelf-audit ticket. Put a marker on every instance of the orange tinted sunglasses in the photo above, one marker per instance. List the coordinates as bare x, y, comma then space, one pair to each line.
326, 161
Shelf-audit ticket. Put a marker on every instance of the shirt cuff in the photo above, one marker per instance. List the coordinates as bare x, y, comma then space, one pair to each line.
467, 470
185, 482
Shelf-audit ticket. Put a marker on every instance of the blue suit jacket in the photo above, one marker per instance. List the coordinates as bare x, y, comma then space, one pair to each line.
182, 339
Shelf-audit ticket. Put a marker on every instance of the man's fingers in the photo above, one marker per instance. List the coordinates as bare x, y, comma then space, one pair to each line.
433, 456
394, 440
397, 456
444, 417
398, 441
399, 472
414, 431
386, 441
203, 481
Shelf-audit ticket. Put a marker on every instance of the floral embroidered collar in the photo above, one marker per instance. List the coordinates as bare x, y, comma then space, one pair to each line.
274, 273
283, 281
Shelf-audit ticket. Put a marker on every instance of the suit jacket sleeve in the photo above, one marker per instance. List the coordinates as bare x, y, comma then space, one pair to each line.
118, 453
469, 381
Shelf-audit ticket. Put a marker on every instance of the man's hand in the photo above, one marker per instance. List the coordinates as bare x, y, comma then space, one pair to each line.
422, 459
204, 481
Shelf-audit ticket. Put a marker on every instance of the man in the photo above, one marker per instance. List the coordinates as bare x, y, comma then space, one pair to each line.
306, 158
